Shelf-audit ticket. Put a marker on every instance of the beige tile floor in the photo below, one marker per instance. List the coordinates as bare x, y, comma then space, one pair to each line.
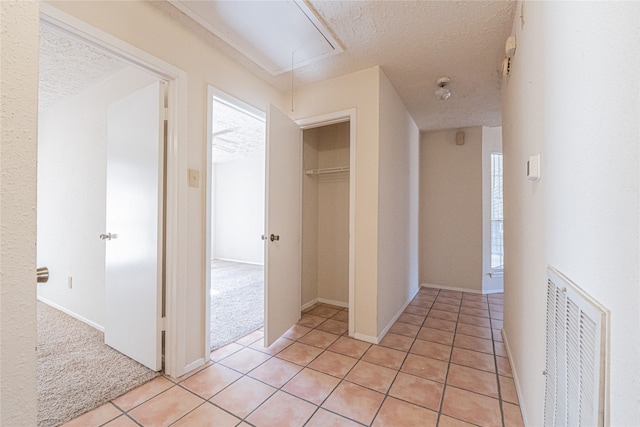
442, 363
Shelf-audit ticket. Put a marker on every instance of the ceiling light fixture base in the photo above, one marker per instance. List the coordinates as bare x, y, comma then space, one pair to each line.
442, 93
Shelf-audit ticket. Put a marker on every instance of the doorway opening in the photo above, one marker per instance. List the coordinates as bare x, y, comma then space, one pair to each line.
328, 215
85, 91
325, 220
236, 178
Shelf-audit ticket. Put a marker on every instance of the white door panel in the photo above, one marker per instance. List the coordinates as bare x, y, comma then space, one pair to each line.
283, 205
133, 280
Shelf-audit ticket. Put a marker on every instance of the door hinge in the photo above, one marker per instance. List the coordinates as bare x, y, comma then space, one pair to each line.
166, 114
163, 323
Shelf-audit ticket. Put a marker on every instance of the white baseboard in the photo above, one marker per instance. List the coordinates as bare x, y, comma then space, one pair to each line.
514, 373
309, 304
239, 261
193, 365
334, 302
452, 288
325, 301
72, 314
366, 338
390, 324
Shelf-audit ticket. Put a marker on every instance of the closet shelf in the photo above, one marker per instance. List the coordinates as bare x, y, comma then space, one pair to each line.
325, 171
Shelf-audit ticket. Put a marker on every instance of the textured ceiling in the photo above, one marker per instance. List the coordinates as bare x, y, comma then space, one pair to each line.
415, 42
68, 67
236, 134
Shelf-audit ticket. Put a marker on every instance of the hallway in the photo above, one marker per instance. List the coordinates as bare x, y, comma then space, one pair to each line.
442, 363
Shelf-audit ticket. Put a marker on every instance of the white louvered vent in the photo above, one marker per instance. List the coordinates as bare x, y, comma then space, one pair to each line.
576, 355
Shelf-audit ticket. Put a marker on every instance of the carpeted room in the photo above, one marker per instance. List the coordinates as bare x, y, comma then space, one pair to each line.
76, 370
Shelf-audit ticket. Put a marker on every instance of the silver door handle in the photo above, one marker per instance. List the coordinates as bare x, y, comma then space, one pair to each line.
42, 275
274, 237
106, 236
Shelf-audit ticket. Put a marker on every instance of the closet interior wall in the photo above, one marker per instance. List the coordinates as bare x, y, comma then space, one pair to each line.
325, 215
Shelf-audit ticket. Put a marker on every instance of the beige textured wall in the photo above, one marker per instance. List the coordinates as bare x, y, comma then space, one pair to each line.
451, 210
18, 131
358, 90
397, 206
582, 216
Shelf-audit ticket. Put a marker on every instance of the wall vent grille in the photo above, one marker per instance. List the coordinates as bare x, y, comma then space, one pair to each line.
575, 356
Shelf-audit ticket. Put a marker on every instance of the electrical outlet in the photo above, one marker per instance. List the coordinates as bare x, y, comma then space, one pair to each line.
70, 282
194, 178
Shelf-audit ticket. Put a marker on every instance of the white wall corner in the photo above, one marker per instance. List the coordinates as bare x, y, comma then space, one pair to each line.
334, 302
71, 313
309, 304
393, 320
366, 338
514, 373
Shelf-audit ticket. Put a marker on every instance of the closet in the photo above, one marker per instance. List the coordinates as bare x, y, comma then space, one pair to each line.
325, 215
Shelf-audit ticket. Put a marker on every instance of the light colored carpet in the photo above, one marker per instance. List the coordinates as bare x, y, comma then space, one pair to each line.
237, 301
77, 372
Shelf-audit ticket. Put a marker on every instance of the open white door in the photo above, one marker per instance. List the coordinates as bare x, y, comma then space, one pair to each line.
282, 225
134, 238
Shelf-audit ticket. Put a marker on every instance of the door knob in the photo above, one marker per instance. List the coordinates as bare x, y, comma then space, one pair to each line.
105, 236
274, 237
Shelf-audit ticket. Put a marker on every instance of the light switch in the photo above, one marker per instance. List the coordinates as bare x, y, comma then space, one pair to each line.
194, 178
533, 168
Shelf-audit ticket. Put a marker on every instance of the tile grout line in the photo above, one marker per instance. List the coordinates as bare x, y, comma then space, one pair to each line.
495, 361
386, 394
446, 377
303, 367
342, 379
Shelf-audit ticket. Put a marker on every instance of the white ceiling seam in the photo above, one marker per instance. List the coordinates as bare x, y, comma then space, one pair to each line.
414, 42
275, 35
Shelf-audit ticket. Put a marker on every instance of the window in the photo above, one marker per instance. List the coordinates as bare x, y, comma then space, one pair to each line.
497, 249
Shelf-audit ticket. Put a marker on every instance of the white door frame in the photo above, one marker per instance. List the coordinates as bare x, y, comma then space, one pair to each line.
176, 181
330, 119
212, 93
307, 123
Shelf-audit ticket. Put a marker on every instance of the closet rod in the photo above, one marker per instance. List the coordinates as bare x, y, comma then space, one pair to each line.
325, 171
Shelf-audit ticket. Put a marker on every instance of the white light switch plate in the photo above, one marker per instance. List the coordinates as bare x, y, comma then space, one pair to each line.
194, 178
533, 168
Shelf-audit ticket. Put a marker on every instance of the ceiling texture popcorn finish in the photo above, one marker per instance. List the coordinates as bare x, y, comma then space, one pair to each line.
414, 42
236, 134
68, 67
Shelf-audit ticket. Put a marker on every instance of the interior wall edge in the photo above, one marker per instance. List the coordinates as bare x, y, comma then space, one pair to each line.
366, 338
309, 304
516, 378
71, 313
397, 315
